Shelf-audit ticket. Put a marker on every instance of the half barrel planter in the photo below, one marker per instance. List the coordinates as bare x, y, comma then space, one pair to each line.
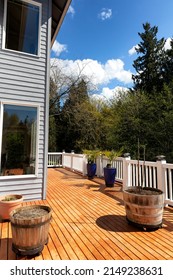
144, 210
30, 229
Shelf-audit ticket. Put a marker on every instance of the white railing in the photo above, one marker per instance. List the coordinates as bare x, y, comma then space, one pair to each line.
168, 183
157, 174
54, 159
75, 162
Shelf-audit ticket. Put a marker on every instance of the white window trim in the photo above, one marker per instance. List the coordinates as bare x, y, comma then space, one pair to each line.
39, 29
37, 138
1, 128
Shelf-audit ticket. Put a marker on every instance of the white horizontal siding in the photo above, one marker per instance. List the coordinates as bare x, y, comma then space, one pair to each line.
23, 80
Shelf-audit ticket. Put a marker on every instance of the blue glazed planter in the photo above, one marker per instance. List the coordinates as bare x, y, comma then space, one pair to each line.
109, 175
91, 170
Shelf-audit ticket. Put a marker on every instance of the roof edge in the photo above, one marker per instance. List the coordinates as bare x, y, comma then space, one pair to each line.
60, 21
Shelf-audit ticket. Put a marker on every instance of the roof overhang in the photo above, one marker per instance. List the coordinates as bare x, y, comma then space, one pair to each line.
59, 10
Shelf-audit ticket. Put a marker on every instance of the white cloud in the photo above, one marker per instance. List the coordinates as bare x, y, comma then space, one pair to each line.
114, 69
71, 10
167, 44
58, 48
97, 73
105, 14
133, 50
108, 93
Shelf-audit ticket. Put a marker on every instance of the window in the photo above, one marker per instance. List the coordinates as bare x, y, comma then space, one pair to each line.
22, 26
19, 138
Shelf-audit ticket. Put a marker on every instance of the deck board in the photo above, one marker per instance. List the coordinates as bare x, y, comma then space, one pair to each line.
88, 223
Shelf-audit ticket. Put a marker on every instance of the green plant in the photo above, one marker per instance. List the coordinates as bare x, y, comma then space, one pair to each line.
9, 198
112, 155
91, 155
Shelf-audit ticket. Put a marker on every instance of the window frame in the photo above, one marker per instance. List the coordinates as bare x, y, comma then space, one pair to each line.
39, 5
35, 175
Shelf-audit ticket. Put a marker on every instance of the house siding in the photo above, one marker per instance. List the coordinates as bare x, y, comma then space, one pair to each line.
23, 80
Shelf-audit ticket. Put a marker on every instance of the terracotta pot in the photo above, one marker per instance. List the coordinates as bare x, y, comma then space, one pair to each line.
7, 205
145, 209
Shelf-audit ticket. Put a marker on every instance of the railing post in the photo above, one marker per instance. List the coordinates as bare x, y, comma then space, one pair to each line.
99, 166
84, 165
72, 153
160, 174
126, 171
63, 154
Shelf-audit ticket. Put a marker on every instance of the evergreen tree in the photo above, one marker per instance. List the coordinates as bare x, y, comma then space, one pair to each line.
149, 65
68, 132
168, 67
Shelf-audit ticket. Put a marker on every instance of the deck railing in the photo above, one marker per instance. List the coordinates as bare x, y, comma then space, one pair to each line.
157, 174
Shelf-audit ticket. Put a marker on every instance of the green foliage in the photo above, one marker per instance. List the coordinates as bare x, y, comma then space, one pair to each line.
9, 198
112, 155
15, 147
91, 155
52, 134
149, 64
144, 112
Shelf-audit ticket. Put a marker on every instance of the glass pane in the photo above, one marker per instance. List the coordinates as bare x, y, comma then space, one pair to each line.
22, 27
18, 155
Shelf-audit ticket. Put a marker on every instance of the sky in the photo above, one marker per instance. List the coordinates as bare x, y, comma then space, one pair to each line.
98, 38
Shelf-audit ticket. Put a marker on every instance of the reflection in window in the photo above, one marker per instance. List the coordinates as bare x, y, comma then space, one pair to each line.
22, 27
18, 154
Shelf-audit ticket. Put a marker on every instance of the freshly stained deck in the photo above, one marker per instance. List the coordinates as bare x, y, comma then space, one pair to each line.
88, 223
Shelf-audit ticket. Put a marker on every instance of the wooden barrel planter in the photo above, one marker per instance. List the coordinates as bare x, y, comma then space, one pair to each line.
30, 227
144, 209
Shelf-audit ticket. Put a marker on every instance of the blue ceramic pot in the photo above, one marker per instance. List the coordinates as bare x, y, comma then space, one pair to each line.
109, 175
91, 170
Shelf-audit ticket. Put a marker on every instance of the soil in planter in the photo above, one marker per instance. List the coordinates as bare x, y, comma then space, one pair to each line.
144, 191
9, 198
30, 213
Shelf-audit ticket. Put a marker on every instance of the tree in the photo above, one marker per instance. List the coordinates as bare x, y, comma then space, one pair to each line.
168, 67
68, 128
149, 65
61, 87
54, 110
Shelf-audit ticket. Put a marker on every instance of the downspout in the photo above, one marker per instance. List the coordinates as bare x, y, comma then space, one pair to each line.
47, 87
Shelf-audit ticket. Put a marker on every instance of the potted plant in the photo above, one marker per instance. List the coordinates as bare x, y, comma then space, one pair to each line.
143, 205
30, 228
109, 170
8, 203
91, 156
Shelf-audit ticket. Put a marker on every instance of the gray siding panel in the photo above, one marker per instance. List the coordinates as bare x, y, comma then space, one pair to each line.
23, 79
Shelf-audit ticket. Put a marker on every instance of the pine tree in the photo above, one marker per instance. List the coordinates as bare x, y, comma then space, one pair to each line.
168, 67
149, 64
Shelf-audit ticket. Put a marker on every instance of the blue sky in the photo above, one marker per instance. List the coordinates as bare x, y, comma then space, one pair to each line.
99, 36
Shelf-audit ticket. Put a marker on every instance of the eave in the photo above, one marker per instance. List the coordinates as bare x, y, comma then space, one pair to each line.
59, 10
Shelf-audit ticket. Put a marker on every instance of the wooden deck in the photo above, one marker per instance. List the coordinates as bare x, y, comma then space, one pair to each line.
88, 223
